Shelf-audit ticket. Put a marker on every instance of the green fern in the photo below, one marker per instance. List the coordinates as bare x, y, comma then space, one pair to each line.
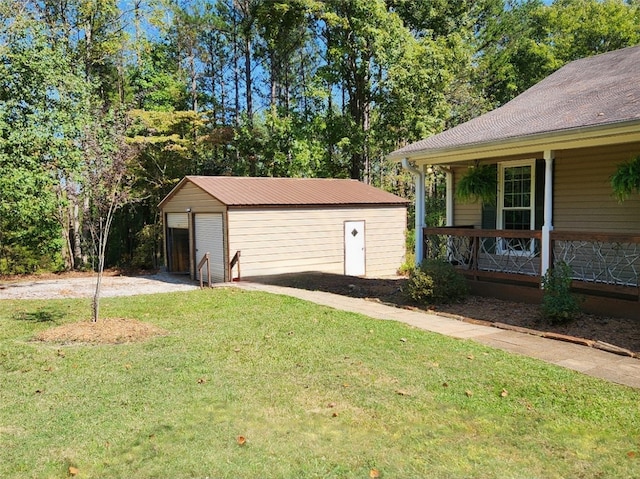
626, 179
478, 184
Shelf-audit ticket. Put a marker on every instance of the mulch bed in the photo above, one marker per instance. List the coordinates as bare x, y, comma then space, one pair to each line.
103, 331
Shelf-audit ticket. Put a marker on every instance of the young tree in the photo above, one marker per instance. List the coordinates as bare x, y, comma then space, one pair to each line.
107, 182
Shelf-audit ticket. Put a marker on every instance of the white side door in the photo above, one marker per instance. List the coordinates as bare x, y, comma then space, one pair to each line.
354, 252
210, 238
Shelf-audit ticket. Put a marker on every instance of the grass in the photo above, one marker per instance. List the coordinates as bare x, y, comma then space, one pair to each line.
317, 393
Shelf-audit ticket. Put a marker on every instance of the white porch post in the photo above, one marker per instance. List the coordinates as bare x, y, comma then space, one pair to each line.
449, 197
419, 208
547, 227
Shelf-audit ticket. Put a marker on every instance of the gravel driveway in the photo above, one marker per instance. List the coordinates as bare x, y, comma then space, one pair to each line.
84, 287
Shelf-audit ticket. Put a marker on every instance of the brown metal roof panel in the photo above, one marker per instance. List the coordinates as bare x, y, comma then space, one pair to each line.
251, 191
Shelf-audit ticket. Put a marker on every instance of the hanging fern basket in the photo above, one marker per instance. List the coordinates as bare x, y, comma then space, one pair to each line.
479, 184
626, 180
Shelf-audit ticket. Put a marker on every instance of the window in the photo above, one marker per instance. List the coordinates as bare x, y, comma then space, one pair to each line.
516, 204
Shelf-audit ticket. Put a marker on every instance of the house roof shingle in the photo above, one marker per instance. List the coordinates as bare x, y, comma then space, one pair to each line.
251, 191
594, 91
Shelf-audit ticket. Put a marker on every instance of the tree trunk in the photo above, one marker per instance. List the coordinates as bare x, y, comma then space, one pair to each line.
248, 78
236, 74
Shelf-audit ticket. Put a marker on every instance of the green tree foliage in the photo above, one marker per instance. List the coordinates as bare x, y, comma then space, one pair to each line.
583, 28
322, 88
40, 125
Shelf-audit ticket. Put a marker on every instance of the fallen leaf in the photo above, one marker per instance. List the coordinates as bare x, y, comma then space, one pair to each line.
73, 471
504, 393
470, 357
374, 473
468, 393
404, 340
202, 380
345, 385
241, 440
237, 350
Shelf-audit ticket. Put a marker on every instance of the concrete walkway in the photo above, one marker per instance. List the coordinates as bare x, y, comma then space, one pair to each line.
594, 362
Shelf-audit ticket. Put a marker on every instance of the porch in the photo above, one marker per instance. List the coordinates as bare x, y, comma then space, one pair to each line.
602, 264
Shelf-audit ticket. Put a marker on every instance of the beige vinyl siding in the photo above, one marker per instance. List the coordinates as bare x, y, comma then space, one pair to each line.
583, 198
465, 214
192, 197
288, 240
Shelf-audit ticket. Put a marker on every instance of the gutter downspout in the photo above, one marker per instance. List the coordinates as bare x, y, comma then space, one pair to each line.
419, 208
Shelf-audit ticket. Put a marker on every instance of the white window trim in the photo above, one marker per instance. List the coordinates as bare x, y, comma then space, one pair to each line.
532, 204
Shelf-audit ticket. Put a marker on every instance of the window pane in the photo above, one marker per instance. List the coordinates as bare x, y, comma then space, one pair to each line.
517, 219
517, 187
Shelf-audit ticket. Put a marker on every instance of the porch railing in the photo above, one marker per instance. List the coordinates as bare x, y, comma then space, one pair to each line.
607, 261
500, 254
599, 261
205, 260
234, 261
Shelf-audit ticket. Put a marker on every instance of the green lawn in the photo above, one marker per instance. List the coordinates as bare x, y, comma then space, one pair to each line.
317, 393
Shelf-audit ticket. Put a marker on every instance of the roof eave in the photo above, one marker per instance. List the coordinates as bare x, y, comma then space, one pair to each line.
621, 132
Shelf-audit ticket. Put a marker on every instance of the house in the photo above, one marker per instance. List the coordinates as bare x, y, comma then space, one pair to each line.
549, 154
282, 225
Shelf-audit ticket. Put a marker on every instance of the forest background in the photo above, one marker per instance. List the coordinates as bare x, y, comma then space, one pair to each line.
107, 102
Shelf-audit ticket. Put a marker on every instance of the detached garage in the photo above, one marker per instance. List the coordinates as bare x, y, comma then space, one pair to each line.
283, 225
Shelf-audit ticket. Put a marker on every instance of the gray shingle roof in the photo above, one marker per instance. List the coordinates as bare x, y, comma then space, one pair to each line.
594, 91
251, 191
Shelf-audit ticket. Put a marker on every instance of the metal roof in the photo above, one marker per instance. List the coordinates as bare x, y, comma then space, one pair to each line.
251, 191
592, 92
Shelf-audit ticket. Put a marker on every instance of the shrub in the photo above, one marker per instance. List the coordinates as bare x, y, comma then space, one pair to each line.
436, 282
147, 251
559, 305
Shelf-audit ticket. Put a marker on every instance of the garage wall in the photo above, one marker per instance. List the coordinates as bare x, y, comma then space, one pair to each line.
289, 240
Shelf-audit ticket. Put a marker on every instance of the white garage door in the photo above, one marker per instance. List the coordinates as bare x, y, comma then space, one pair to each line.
210, 238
